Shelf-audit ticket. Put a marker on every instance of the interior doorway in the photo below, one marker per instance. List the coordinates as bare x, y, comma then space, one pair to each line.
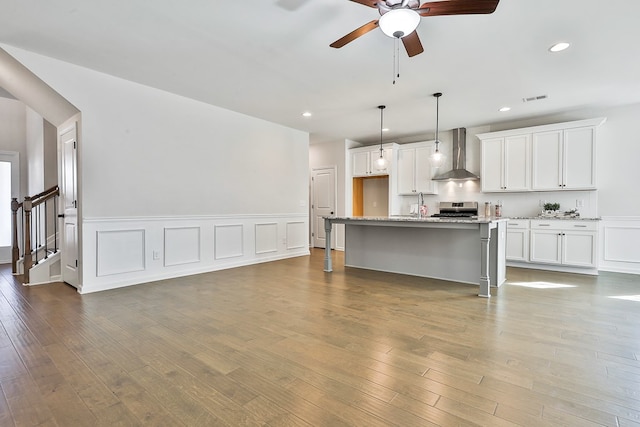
9, 187
323, 190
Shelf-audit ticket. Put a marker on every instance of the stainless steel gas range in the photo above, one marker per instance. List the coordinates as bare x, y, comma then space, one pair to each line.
457, 210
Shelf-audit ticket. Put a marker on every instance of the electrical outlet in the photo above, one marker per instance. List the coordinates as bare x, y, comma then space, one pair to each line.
156, 254
579, 203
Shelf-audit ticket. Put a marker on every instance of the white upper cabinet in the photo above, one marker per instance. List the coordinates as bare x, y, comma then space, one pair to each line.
541, 158
363, 161
414, 170
564, 159
506, 164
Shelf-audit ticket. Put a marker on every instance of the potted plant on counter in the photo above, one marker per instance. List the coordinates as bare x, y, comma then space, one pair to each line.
551, 209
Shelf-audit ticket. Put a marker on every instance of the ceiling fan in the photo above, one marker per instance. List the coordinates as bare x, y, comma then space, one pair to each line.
400, 18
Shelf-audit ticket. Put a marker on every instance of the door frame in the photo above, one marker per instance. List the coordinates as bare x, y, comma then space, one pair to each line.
12, 157
312, 224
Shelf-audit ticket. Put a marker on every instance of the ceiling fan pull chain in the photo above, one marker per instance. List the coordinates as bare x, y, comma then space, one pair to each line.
396, 59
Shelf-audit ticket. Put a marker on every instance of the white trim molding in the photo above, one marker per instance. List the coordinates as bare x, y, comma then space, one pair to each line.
122, 252
619, 250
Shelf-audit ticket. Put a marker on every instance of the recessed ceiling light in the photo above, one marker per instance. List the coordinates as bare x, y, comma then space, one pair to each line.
504, 109
385, 129
306, 114
559, 47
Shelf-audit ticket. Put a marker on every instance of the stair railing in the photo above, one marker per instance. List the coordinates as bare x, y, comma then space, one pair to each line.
39, 214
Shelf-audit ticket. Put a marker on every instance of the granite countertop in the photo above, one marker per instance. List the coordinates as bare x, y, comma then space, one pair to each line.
560, 218
429, 219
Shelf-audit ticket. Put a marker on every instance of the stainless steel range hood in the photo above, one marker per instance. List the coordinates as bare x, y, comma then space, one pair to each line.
458, 173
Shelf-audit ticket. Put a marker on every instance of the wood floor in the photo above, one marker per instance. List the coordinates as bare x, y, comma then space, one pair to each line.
285, 344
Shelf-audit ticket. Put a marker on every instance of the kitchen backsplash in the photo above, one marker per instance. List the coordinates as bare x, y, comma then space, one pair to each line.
513, 204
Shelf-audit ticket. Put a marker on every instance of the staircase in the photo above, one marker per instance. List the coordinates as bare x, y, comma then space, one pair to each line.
35, 255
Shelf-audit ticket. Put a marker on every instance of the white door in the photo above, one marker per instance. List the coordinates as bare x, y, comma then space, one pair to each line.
69, 206
9, 187
323, 183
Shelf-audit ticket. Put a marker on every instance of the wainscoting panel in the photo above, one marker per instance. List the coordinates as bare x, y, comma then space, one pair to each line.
620, 251
297, 235
181, 246
119, 252
266, 238
228, 241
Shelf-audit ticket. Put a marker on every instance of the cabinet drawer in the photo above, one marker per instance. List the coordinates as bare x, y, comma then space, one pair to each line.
547, 224
563, 224
518, 224
581, 225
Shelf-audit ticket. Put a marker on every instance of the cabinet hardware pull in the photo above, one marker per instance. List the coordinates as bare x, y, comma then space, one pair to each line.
576, 225
544, 225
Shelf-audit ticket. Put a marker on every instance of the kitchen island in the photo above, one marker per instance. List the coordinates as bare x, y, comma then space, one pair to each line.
468, 250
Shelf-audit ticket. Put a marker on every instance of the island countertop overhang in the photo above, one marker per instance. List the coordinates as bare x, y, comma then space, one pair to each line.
413, 220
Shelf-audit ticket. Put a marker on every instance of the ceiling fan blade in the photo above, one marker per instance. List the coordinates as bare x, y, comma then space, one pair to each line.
370, 3
355, 34
412, 44
457, 7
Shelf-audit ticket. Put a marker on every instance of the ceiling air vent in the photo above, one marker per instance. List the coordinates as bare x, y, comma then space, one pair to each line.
534, 98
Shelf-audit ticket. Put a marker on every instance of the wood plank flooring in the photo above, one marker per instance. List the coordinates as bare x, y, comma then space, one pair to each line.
285, 344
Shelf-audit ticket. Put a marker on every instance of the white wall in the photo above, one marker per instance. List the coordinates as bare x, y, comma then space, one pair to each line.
13, 134
149, 156
35, 152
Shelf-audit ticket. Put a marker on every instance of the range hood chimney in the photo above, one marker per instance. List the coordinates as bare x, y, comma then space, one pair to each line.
458, 173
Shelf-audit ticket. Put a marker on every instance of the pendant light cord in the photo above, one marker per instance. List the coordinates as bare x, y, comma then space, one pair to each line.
381, 107
437, 95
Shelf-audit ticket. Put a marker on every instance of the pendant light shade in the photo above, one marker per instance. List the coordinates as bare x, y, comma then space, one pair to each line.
398, 23
437, 158
381, 162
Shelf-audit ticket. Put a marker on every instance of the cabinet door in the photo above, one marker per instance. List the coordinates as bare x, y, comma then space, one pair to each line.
492, 165
579, 158
547, 160
360, 163
546, 246
518, 245
424, 171
406, 171
579, 248
517, 170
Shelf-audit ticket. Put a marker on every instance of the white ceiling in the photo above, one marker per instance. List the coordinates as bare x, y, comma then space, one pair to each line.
271, 58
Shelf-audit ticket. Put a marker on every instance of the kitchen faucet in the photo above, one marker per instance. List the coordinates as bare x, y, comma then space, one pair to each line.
420, 203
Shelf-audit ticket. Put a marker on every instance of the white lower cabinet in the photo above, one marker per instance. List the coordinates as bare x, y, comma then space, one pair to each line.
518, 240
564, 242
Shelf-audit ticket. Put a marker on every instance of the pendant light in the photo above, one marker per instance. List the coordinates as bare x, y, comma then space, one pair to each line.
381, 162
437, 158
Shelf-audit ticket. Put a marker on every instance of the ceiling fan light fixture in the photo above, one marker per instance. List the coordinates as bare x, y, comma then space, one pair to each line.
398, 23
